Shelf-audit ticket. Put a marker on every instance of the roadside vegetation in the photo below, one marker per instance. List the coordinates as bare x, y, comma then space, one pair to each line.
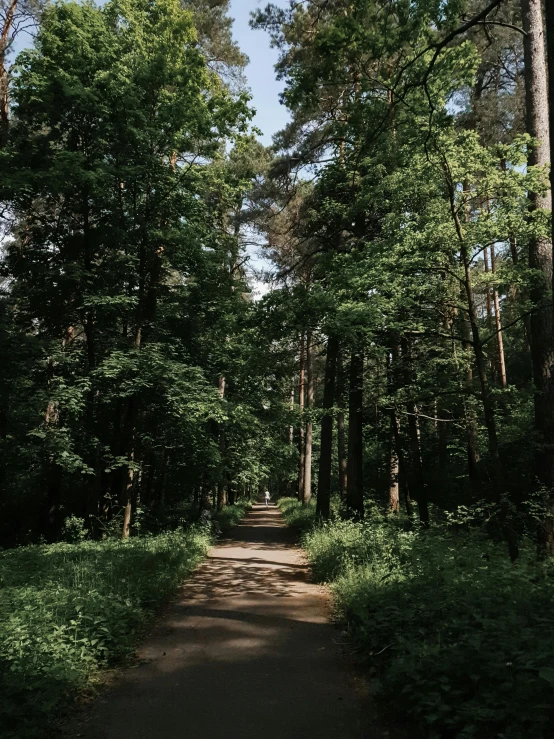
70, 610
454, 637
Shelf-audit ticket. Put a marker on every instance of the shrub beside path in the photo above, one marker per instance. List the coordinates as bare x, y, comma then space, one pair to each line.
245, 652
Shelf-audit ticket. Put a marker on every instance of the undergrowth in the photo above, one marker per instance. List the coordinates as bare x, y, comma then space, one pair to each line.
69, 610
231, 515
298, 517
456, 638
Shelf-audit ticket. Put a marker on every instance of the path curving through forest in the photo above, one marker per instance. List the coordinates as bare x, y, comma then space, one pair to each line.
245, 652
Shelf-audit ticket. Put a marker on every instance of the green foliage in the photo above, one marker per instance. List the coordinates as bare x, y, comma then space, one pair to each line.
69, 610
455, 638
231, 515
298, 517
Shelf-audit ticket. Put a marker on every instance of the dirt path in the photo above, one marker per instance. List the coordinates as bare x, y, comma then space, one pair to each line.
246, 652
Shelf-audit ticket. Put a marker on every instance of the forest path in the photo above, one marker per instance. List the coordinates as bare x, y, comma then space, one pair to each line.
245, 652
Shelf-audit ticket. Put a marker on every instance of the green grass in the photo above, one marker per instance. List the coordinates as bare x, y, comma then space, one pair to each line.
70, 610
458, 642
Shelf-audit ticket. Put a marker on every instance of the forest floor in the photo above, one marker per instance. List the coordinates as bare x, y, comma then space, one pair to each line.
245, 651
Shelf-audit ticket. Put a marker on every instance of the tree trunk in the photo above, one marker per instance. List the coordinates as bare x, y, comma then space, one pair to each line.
418, 485
393, 470
498, 326
402, 467
129, 440
221, 483
487, 289
472, 435
54, 471
301, 434
354, 488
326, 450
500, 492
4, 81
291, 427
540, 125
307, 492
341, 434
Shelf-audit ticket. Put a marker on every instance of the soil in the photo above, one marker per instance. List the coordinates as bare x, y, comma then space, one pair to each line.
246, 651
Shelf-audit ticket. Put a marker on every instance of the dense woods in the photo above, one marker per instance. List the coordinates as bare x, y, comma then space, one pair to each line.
396, 378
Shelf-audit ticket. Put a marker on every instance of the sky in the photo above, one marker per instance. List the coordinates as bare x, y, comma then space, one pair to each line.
271, 116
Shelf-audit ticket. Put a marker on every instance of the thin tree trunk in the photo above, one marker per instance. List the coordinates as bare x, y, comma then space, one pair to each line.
354, 488
418, 484
393, 469
540, 125
341, 434
301, 434
487, 289
221, 483
291, 427
501, 495
402, 466
129, 438
326, 450
307, 492
498, 325
472, 436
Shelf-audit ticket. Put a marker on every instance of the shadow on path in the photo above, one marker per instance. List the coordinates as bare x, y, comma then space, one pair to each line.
245, 652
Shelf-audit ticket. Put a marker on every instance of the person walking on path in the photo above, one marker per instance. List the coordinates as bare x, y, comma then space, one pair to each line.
267, 497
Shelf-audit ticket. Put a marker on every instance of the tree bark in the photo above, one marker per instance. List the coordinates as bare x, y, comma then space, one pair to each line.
301, 433
221, 483
393, 470
402, 467
326, 450
354, 488
4, 81
291, 427
540, 125
307, 492
341, 433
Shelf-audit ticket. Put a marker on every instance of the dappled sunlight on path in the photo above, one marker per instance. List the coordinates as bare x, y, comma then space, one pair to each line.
245, 652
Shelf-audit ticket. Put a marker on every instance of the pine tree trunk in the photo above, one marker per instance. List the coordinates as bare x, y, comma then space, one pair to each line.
307, 492
4, 81
354, 488
326, 449
540, 125
301, 433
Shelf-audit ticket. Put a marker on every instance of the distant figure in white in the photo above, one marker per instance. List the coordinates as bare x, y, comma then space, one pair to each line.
267, 497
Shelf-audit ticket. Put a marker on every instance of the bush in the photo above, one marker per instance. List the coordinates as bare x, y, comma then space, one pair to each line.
231, 515
456, 638
67, 610
298, 517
